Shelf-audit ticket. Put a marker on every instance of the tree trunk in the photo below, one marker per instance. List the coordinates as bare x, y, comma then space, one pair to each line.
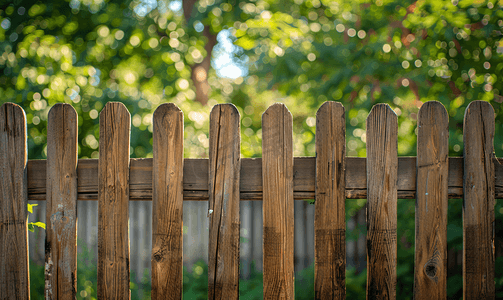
200, 71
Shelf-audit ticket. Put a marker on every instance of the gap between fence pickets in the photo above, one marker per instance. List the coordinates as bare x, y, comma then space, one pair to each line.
195, 178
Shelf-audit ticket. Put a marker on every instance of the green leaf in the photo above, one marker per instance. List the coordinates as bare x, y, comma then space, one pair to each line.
31, 225
39, 224
30, 207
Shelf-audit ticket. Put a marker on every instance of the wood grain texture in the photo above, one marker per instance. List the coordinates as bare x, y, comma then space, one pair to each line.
113, 202
430, 272
329, 216
167, 206
278, 208
14, 273
478, 203
223, 206
382, 166
61, 210
195, 178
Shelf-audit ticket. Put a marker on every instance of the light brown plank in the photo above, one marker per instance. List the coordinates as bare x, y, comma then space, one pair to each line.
61, 211
196, 174
430, 272
478, 203
278, 216
113, 202
167, 206
382, 165
223, 206
329, 216
14, 273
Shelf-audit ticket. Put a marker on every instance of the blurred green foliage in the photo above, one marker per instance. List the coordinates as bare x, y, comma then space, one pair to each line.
300, 52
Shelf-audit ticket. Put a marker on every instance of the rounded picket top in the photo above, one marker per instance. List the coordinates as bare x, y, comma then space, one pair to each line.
279, 114
224, 120
225, 108
381, 108
13, 120
62, 133
381, 117
434, 109
332, 108
167, 115
167, 109
479, 106
331, 104
115, 109
478, 127
276, 108
62, 108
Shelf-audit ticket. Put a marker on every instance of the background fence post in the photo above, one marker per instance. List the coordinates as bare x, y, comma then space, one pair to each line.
278, 208
167, 206
223, 206
113, 202
382, 166
61, 209
478, 202
330, 212
14, 273
430, 272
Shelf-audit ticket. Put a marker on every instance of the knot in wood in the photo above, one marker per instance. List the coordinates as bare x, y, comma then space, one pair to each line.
430, 268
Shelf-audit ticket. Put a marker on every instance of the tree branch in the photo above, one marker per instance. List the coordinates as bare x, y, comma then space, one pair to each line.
200, 71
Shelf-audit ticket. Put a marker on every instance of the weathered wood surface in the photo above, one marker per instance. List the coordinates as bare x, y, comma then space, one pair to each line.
223, 205
113, 203
61, 209
478, 203
329, 216
195, 178
167, 206
278, 216
430, 272
382, 166
14, 273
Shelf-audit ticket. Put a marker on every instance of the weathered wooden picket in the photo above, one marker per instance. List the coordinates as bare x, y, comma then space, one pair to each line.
277, 179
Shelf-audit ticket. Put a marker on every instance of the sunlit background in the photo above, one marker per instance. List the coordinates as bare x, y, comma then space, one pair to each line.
252, 53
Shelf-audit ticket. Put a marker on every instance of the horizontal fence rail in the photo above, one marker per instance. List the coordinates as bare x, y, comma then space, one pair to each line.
277, 179
195, 178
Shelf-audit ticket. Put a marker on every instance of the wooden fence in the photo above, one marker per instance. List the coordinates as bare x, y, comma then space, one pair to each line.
277, 179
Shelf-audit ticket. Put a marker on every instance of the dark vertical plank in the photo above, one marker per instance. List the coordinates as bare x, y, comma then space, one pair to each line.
329, 216
278, 209
14, 273
382, 166
61, 211
223, 210
430, 272
113, 202
478, 202
167, 206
